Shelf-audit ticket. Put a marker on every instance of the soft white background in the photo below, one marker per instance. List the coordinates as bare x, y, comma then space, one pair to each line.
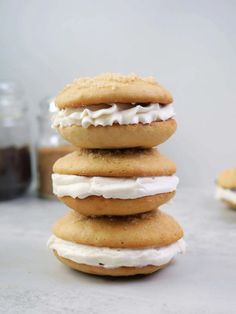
189, 46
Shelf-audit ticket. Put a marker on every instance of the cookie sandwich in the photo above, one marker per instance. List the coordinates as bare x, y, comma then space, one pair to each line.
114, 182
117, 246
226, 187
115, 111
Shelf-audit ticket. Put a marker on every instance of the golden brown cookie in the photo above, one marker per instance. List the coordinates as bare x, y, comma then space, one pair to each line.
119, 136
229, 204
99, 206
115, 163
153, 229
114, 272
111, 88
126, 163
227, 179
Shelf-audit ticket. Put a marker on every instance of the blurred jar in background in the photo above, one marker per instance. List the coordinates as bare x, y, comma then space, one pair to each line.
15, 165
50, 147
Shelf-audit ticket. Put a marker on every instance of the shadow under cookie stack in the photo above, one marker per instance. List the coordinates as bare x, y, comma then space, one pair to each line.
116, 181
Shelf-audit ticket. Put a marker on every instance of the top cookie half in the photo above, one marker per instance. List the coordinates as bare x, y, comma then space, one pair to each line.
112, 88
227, 179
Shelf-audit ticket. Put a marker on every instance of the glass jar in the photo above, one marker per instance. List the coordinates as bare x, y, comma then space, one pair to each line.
15, 165
50, 147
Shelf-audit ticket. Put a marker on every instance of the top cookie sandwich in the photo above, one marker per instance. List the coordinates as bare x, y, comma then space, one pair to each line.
226, 187
115, 111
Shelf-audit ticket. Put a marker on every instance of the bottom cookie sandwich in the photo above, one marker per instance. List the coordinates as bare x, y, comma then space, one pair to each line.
117, 246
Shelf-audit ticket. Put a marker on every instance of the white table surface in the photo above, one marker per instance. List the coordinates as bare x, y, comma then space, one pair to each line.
201, 281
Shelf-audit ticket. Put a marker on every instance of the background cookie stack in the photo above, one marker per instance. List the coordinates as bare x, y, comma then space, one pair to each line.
115, 181
226, 187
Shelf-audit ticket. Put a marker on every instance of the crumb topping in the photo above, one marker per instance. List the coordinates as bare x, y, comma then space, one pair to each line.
108, 80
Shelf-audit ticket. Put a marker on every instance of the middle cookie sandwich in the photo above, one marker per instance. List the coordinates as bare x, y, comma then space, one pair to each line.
117, 182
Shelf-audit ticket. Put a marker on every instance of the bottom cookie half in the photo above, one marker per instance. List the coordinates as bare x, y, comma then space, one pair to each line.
115, 272
229, 204
119, 136
96, 205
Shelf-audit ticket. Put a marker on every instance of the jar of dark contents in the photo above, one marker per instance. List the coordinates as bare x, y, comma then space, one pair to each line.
50, 147
15, 165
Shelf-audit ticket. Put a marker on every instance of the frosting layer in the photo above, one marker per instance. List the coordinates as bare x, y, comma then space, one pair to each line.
111, 114
113, 258
226, 194
110, 187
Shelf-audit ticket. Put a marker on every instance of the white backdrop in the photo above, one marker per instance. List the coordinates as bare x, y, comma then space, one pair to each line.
189, 46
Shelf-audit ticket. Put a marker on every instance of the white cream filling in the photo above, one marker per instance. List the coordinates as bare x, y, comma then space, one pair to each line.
226, 194
112, 187
110, 114
115, 257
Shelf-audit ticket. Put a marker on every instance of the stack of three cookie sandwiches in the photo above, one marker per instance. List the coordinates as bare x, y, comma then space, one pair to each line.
115, 181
